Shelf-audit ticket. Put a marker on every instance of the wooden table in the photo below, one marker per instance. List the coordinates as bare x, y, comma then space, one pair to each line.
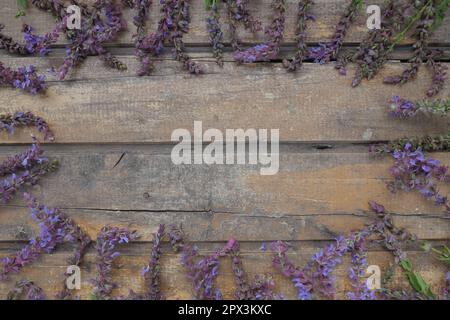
113, 141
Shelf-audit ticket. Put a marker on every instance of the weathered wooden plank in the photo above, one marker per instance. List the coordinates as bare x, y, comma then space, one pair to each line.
48, 271
16, 224
315, 104
319, 182
328, 13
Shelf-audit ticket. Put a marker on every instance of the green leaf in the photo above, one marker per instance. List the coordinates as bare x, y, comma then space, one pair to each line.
406, 265
441, 10
23, 6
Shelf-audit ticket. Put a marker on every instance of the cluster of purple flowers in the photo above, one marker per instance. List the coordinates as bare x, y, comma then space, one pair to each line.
9, 122
215, 33
413, 171
402, 108
99, 24
26, 79
55, 228
325, 52
428, 16
152, 272
270, 49
107, 241
172, 26
238, 13
28, 167
302, 53
41, 44
28, 289
316, 279
7, 43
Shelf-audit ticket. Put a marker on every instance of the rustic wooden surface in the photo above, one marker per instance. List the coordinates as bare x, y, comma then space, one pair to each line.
113, 142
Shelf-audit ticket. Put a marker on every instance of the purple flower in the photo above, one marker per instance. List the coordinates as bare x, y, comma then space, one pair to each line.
270, 49
107, 241
401, 108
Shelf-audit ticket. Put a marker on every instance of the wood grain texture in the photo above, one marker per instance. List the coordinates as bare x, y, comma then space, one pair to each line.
328, 13
316, 104
311, 182
48, 271
16, 224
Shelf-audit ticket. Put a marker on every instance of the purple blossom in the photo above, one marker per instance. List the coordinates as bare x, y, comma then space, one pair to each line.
28, 289
152, 273
10, 122
15, 182
215, 33
270, 49
401, 108
23, 78
23, 161
107, 241
55, 228
325, 52
41, 44
413, 171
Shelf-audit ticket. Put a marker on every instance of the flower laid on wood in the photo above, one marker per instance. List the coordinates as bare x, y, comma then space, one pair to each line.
402, 108
429, 19
107, 241
55, 229
27, 289
7, 43
316, 279
26, 79
215, 30
439, 143
152, 272
302, 52
28, 167
413, 171
9, 122
172, 26
326, 52
268, 50
100, 23
238, 13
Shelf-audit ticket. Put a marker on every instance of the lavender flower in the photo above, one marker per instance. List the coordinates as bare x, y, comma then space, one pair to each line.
439, 71
107, 241
152, 272
41, 44
7, 43
215, 32
10, 122
100, 24
23, 161
270, 49
427, 143
413, 171
427, 18
401, 108
303, 16
181, 26
55, 228
302, 281
23, 78
239, 13
140, 21
263, 286
330, 50
15, 182
28, 289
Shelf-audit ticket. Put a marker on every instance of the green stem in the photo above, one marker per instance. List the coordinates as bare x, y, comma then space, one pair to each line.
411, 23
